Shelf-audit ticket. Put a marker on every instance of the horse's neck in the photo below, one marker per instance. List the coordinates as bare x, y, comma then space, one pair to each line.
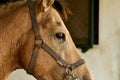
12, 27
10, 7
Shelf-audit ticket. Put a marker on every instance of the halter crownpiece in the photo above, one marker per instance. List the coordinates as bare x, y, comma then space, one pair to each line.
39, 43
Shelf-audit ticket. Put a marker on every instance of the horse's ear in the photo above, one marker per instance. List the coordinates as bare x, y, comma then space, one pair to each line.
46, 4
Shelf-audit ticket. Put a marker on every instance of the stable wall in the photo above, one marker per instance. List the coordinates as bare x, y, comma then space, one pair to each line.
103, 59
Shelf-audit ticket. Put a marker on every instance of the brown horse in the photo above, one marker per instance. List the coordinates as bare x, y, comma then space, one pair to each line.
17, 40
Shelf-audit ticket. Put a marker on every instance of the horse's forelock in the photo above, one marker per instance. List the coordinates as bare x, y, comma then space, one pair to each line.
62, 8
2, 2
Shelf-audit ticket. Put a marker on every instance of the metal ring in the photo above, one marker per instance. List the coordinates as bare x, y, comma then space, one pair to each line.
69, 69
39, 42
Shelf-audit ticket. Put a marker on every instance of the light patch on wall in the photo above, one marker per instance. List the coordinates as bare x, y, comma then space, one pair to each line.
20, 74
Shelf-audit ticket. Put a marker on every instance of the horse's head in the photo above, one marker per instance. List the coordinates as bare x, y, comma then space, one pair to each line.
56, 36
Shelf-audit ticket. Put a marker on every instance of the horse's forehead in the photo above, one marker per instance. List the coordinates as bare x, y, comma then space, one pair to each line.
52, 19
54, 15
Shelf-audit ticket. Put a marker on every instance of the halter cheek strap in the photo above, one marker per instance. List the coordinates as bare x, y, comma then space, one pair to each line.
40, 44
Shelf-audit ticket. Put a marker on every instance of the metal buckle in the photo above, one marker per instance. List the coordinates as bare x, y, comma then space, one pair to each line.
69, 74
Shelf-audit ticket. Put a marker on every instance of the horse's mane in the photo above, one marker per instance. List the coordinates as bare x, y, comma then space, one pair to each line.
6, 6
62, 8
8, 1
59, 5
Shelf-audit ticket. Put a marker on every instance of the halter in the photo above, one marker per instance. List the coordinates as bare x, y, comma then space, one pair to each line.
39, 43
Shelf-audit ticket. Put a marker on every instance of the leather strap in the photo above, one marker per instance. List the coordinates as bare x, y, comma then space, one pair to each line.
59, 59
33, 20
33, 59
54, 54
77, 64
38, 38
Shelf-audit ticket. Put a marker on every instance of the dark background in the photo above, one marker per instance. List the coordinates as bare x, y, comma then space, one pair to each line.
83, 24
78, 23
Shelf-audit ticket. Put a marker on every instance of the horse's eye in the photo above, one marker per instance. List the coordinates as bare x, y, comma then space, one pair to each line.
60, 36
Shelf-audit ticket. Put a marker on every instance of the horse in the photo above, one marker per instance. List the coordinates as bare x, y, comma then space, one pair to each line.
17, 42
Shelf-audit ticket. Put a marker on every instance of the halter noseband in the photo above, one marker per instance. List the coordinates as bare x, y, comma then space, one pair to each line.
39, 43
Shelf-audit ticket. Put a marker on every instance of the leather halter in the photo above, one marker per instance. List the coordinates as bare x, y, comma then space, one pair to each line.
39, 43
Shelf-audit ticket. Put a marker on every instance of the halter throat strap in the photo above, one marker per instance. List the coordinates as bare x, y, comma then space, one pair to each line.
40, 44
